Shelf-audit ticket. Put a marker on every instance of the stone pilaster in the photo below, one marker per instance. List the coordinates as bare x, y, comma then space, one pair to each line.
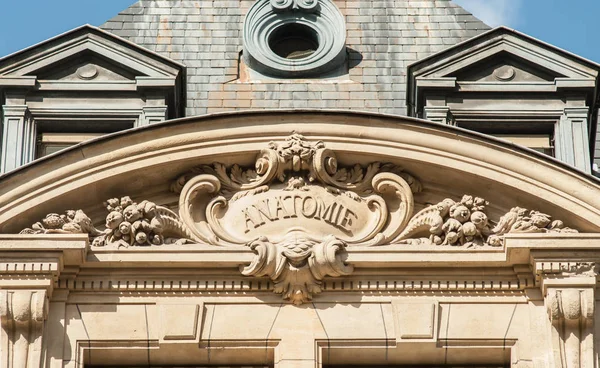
571, 135
569, 291
18, 137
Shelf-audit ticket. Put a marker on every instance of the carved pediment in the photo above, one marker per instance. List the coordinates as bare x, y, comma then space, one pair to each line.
298, 209
85, 54
503, 55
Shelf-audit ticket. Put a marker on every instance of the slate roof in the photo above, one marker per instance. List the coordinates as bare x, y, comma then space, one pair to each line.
386, 36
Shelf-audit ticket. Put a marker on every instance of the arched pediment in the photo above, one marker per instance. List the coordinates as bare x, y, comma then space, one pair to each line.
299, 187
448, 162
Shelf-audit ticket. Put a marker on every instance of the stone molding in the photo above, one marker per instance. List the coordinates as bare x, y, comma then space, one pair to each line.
83, 64
496, 275
157, 157
504, 61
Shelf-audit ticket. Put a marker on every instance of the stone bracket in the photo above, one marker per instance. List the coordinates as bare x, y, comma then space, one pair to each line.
569, 288
22, 313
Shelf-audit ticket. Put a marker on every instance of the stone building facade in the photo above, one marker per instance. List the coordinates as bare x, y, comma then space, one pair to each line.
298, 183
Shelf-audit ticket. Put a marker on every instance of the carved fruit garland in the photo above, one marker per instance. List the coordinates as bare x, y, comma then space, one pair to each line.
465, 223
127, 224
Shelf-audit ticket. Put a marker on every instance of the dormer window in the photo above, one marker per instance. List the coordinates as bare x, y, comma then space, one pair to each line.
512, 86
70, 88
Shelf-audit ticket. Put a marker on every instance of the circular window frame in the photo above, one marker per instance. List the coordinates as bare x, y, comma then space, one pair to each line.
326, 21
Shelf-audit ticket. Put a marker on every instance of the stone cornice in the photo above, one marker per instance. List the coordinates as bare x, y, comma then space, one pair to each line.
519, 249
36, 262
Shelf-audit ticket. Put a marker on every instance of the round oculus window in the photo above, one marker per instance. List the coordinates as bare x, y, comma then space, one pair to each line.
294, 42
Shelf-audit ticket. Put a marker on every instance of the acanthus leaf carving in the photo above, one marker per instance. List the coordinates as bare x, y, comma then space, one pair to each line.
570, 303
298, 183
297, 265
298, 190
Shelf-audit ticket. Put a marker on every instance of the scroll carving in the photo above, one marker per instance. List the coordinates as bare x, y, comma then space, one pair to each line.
127, 224
465, 223
569, 288
23, 313
308, 6
297, 209
297, 265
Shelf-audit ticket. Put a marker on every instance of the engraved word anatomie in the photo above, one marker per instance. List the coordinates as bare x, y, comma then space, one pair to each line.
292, 206
298, 210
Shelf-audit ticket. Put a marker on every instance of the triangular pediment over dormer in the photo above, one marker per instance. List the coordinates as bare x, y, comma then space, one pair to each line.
502, 59
88, 58
508, 84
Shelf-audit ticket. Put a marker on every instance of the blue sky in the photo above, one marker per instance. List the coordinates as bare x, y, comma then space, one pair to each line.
568, 24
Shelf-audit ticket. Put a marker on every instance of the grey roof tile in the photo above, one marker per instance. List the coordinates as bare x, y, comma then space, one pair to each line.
385, 36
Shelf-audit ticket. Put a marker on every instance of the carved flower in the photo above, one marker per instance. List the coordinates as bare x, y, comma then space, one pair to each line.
141, 238
539, 219
53, 221
452, 238
453, 230
479, 204
70, 215
467, 200
113, 205
126, 201
494, 241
